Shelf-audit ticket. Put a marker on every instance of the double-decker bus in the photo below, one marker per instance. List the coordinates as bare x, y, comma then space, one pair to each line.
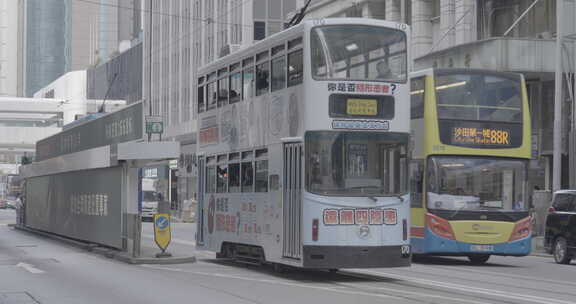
303, 148
468, 172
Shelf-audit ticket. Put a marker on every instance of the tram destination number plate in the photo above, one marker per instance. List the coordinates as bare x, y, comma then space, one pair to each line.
358, 106
482, 248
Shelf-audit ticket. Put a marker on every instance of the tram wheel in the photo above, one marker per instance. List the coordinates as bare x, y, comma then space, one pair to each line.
479, 259
279, 268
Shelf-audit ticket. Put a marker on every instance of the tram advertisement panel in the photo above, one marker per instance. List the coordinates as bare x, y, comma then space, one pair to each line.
473, 134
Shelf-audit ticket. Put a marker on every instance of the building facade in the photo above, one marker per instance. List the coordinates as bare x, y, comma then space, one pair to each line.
8, 47
65, 35
179, 37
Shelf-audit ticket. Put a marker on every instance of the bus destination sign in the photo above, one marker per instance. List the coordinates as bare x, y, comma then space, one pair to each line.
366, 107
481, 136
476, 134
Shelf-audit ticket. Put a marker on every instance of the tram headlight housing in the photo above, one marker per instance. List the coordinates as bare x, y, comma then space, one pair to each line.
315, 228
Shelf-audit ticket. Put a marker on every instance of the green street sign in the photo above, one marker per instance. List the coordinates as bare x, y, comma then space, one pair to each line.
154, 125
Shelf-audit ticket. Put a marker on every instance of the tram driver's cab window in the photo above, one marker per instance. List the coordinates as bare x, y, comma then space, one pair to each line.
356, 164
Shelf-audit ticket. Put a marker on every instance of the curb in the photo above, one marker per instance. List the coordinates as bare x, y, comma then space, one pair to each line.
108, 252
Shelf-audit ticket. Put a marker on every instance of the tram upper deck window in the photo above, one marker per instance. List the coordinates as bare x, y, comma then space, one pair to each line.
481, 97
356, 163
358, 52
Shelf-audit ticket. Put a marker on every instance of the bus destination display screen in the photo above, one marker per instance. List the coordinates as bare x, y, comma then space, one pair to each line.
480, 134
357, 106
361, 106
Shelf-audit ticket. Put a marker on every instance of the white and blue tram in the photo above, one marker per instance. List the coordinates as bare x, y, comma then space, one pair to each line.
303, 148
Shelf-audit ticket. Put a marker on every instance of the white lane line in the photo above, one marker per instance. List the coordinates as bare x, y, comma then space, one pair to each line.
277, 282
469, 269
465, 288
177, 241
419, 294
30, 268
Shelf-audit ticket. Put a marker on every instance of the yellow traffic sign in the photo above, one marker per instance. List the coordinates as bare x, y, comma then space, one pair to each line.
162, 232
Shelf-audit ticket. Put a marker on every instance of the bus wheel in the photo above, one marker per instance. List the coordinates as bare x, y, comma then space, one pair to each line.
479, 259
561, 255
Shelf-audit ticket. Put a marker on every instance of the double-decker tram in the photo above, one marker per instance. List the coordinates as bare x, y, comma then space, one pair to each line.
303, 148
469, 167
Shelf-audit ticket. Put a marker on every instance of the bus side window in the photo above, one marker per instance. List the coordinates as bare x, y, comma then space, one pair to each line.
295, 68
262, 176
247, 177
416, 183
278, 73
417, 98
262, 78
200, 99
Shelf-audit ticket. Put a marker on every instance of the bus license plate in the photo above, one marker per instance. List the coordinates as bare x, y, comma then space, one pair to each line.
482, 248
356, 106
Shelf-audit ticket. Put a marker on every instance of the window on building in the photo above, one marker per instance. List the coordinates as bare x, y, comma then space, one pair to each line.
259, 9
262, 78
278, 73
275, 27
295, 68
259, 30
275, 9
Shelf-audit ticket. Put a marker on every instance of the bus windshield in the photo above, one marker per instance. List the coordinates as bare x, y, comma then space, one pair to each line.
474, 183
480, 97
358, 52
356, 163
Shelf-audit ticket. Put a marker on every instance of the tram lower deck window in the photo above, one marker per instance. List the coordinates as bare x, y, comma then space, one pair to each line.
262, 176
247, 177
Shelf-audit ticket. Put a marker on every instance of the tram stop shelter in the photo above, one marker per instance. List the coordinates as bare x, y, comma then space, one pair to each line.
84, 184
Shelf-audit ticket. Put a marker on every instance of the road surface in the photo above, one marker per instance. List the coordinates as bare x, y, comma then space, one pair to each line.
39, 270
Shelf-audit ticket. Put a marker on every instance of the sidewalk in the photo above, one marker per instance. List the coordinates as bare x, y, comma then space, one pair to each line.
538, 247
148, 250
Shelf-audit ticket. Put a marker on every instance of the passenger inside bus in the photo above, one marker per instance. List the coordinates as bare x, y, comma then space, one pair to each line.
383, 70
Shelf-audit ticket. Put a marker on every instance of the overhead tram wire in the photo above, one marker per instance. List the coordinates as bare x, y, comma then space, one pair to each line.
168, 15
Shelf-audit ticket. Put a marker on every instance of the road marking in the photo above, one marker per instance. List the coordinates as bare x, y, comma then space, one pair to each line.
275, 282
491, 292
469, 269
29, 268
420, 294
177, 241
